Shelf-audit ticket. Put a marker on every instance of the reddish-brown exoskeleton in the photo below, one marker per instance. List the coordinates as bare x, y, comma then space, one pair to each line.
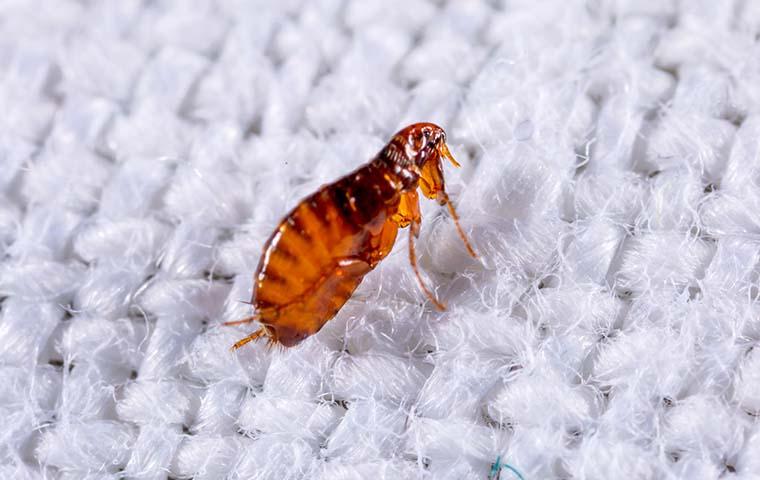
323, 248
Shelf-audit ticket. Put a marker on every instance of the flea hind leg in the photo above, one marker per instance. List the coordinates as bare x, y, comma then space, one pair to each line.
261, 332
413, 260
409, 214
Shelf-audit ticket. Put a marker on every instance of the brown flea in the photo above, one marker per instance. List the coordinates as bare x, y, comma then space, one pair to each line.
322, 249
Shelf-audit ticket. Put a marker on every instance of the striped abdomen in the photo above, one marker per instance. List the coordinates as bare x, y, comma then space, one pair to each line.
321, 251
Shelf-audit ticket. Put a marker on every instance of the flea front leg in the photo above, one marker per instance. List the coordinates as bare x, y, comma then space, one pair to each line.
432, 186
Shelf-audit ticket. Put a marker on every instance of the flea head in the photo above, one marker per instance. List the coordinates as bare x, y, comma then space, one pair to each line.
422, 143
417, 150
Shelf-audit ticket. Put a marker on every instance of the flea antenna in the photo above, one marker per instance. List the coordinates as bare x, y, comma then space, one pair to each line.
444, 150
413, 261
255, 335
454, 215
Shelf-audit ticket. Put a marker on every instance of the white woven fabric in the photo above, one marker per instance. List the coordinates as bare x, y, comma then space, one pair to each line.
611, 164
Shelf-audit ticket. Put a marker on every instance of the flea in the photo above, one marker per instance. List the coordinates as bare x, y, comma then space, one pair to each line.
323, 248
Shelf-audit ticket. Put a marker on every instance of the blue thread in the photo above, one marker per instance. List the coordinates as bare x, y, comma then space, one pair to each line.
496, 469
